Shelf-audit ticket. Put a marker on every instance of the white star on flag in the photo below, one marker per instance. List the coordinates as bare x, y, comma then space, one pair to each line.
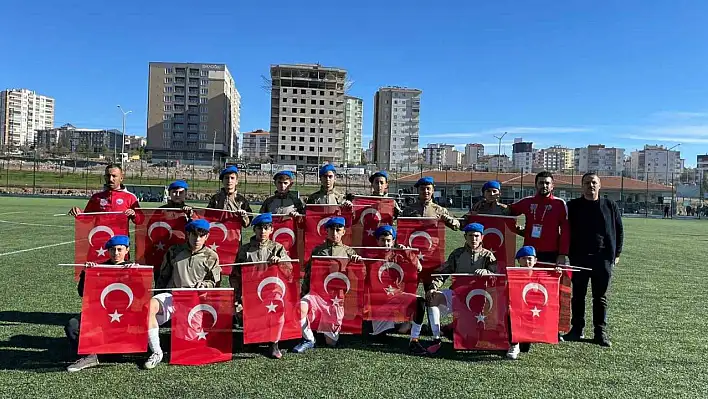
115, 316
160, 246
420, 256
480, 318
370, 232
337, 301
101, 252
201, 335
271, 307
390, 291
536, 312
213, 246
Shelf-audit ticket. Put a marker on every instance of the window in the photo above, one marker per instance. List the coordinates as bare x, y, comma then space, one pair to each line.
294, 111
284, 119
313, 102
331, 112
285, 90
331, 121
331, 103
321, 130
293, 129
321, 102
292, 138
301, 148
294, 100
302, 110
285, 100
205, 73
168, 107
330, 130
168, 71
322, 111
312, 149
204, 82
292, 148
320, 149
168, 99
293, 119
312, 140
165, 117
322, 92
313, 111
203, 108
168, 89
282, 138
204, 91
329, 149
302, 120
285, 109
203, 127
312, 130
302, 130
313, 92
331, 93
302, 101
283, 128
168, 80
166, 125
282, 147
321, 139
303, 91
329, 140
302, 139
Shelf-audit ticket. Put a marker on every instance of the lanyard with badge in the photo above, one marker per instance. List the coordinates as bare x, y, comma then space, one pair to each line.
538, 227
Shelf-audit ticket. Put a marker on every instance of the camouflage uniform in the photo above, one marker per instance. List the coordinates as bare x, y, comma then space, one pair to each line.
221, 200
334, 197
283, 204
464, 260
254, 251
490, 208
431, 209
182, 268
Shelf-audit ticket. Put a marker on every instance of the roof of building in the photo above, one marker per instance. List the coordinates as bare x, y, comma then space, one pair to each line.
258, 132
561, 181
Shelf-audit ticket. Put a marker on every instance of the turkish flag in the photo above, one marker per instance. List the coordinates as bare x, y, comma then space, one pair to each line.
315, 218
91, 232
428, 235
224, 235
566, 292
114, 312
285, 232
499, 237
340, 283
271, 302
393, 282
533, 305
480, 305
158, 231
201, 326
370, 213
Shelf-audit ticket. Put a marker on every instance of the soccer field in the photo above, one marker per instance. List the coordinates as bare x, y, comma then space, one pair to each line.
658, 315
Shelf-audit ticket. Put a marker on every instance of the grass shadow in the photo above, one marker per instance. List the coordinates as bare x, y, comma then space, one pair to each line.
12, 317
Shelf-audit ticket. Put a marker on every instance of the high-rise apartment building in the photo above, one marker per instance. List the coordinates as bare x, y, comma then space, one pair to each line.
353, 121
255, 146
396, 126
656, 163
608, 161
22, 113
522, 155
193, 112
473, 152
442, 155
80, 140
307, 114
554, 159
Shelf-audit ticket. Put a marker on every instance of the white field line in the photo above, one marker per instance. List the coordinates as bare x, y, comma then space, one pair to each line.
33, 224
34, 249
12, 213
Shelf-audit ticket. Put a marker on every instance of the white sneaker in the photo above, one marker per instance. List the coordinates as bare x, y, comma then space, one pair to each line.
83, 363
513, 352
153, 361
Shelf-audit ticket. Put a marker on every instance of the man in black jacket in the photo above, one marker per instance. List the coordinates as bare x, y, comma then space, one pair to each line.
596, 237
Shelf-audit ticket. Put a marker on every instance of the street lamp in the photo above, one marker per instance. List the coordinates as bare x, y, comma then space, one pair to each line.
499, 153
666, 181
122, 147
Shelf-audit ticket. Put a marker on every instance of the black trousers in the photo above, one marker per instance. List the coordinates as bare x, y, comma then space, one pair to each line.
548, 257
600, 276
72, 334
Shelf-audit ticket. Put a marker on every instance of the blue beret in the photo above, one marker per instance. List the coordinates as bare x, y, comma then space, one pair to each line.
178, 184
226, 171
263, 218
337, 220
526, 251
327, 168
381, 173
284, 173
385, 229
474, 227
425, 181
118, 240
197, 224
491, 184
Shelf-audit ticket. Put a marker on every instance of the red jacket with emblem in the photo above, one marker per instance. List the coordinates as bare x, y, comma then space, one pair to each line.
112, 201
551, 214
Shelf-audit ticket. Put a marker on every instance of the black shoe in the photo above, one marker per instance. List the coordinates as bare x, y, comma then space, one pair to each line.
434, 347
447, 331
574, 335
603, 340
525, 347
415, 348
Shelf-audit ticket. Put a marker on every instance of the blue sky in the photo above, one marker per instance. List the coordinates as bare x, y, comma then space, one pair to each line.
621, 73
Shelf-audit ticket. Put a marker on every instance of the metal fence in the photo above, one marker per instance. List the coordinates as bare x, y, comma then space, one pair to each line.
82, 175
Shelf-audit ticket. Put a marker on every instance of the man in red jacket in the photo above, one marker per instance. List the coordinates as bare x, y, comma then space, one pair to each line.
113, 198
547, 227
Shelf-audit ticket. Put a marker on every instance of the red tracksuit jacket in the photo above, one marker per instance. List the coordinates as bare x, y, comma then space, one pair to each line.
551, 214
113, 201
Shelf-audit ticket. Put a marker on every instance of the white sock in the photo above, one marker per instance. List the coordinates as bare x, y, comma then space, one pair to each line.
154, 340
434, 319
415, 331
306, 331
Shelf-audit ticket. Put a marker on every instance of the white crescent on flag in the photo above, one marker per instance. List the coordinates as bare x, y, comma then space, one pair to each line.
536, 287
119, 287
203, 307
481, 292
156, 225
337, 275
423, 234
321, 223
394, 266
270, 280
284, 230
368, 211
96, 229
495, 231
220, 226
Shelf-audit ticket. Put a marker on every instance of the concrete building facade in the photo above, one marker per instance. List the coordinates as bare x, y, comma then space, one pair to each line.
22, 113
255, 146
656, 163
608, 161
80, 140
193, 112
522, 156
396, 126
353, 125
473, 152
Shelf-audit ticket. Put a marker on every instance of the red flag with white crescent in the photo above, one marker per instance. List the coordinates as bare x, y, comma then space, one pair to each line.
369, 214
224, 235
271, 302
428, 236
499, 237
566, 292
316, 217
158, 231
91, 232
480, 311
114, 312
534, 305
285, 232
201, 326
340, 284
393, 282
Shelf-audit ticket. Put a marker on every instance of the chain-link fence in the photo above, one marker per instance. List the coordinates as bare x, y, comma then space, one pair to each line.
82, 175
